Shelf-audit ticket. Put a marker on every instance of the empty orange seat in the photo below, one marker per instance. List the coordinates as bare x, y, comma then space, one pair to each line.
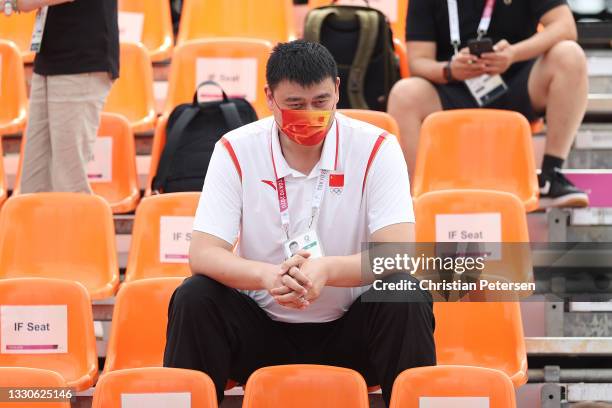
60, 235
380, 119
270, 20
238, 65
3, 185
171, 386
482, 334
18, 28
156, 34
154, 256
305, 386
112, 175
66, 343
13, 98
132, 94
140, 316
477, 149
21, 377
452, 385
395, 10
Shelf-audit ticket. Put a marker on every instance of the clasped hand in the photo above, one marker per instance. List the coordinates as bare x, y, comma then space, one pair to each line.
298, 281
466, 66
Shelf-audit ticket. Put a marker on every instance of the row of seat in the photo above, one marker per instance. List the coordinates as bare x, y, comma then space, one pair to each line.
78, 238
292, 385
462, 149
138, 331
149, 22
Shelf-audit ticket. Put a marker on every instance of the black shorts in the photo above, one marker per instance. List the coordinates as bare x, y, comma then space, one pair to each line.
458, 96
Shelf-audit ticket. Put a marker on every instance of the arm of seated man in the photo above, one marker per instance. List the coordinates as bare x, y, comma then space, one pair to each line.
29, 5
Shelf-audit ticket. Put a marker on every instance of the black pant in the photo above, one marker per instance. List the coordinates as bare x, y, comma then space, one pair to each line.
224, 333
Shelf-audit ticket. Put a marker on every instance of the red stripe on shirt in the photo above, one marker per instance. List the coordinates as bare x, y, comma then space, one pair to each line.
375, 150
232, 154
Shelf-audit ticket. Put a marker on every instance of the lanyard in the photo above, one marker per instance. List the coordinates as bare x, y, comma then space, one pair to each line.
317, 198
453, 22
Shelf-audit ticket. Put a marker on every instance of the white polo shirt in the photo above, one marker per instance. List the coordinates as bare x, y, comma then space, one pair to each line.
239, 198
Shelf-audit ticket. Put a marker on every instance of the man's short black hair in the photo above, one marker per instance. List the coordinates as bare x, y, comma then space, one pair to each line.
303, 62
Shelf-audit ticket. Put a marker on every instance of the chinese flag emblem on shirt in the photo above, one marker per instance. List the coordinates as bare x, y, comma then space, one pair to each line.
336, 183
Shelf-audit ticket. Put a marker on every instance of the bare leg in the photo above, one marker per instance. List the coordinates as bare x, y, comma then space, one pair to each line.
559, 84
410, 102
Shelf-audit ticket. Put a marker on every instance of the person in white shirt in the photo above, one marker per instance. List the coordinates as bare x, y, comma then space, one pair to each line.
312, 176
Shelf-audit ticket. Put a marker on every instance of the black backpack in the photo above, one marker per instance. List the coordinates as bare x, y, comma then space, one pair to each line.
192, 131
361, 41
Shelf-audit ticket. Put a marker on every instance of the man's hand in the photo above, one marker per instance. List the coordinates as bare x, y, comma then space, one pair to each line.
499, 61
466, 66
29, 5
288, 285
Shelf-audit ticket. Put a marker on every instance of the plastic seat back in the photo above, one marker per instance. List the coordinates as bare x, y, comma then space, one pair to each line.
156, 33
44, 306
380, 119
132, 93
173, 387
13, 98
163, 222
452, 386
159, 141
138, 333
116, 144
482, 334
60, 235
238, 65
305, 386
21, 377
477, 149
18, 29
270, 20
3, 185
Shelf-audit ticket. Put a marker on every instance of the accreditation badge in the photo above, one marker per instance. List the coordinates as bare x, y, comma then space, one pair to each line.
308, 241
486, 88
39, 29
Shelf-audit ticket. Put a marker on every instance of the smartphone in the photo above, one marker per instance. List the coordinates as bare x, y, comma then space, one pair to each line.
479, 47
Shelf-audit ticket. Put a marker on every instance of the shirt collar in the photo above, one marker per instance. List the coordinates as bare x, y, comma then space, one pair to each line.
328, 154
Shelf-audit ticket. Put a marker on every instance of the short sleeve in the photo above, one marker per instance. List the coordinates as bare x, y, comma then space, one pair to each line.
387, 189
220, 207
541, 7
420, 21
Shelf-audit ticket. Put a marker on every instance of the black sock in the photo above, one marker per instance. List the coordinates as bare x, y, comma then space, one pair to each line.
550, 163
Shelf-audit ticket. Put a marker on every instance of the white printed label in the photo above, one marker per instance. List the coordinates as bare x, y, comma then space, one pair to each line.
453, 402
33, 329
130, 26
100, 168
387, 7
157, 400
237, 76
174, 239
468, 228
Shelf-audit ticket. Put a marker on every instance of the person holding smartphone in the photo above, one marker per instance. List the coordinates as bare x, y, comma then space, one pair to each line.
455, 44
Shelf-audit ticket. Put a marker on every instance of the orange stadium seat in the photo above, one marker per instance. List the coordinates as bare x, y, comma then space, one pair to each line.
452, 385
197, 61
13, 97
18, 29
402, 55
138, 332
477, 149
380, 119
156, 20
145, 257
270, 20
395, 10
305, 386
60, 235
482, 334
21, 377
115, 143
132, 94
159, 141
169, 385
32, 298
3, 185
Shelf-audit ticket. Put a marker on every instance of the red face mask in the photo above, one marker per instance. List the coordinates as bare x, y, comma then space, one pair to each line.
305, 127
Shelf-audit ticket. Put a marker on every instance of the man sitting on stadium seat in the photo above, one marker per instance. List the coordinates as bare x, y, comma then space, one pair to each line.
545, 72
315, 179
